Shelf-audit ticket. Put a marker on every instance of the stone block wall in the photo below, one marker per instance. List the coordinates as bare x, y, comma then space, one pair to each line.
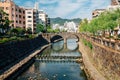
107, 61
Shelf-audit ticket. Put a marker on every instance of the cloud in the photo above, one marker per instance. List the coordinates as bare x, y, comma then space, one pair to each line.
74, 8
68, 8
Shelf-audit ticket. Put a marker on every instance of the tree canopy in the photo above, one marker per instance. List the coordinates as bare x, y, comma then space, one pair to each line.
107, 20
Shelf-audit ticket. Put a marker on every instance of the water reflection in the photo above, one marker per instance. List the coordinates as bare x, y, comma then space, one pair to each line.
71, 45
56, 70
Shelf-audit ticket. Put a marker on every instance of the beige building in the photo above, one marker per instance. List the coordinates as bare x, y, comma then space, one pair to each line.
16, 13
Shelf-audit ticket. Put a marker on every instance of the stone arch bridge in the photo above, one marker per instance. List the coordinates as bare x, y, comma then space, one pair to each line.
52, 37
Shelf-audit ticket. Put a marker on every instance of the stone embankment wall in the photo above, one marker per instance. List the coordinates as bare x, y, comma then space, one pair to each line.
104, 56
13, 52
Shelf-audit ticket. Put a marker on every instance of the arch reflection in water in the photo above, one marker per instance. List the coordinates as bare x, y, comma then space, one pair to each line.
58, 46
71, 45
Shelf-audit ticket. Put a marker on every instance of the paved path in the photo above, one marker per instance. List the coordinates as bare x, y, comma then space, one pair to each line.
95, 75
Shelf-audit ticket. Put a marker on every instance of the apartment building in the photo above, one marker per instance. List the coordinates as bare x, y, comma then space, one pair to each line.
31, 19
97, 12
16, 14
24, 18
43, 16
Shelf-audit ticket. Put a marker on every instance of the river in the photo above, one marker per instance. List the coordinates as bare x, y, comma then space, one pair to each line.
56, 69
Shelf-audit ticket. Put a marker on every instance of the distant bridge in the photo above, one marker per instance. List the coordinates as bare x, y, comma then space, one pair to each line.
52, 37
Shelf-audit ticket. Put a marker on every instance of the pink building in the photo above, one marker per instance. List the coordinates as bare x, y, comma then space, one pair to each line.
16, 13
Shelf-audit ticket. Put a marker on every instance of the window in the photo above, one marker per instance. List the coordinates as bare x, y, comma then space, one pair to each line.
20, 22
29, 25
19, 16
29, 17
40, 15
29, 12
24, 22
16, 21
23, 17
23, 12
16, 15
12, 25
29, 20
12, 15
19, 11
7, 8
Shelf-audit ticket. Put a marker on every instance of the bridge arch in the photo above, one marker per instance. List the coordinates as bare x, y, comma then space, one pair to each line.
55, 37
73, 36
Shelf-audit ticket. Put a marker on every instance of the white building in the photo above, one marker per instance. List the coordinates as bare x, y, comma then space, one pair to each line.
43, 16
31, 19
70, 26
55, 26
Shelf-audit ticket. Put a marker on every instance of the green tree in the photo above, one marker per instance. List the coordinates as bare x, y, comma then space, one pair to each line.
4, 22
106, 21
14, 31
40, 28
29, 31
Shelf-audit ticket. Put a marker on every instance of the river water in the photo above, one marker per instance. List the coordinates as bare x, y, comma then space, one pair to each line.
56, 70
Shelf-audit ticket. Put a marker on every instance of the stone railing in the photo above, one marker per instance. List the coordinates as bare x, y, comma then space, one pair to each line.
111, 43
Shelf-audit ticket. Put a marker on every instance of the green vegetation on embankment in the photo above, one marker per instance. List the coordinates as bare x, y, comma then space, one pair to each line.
87, 43
108, 20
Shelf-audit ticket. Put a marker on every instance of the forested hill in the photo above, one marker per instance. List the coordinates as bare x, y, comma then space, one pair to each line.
61, 21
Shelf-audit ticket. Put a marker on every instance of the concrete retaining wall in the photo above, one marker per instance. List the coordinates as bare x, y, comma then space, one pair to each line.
13, 52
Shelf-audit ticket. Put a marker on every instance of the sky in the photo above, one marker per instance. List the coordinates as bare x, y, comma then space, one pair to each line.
66, 8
